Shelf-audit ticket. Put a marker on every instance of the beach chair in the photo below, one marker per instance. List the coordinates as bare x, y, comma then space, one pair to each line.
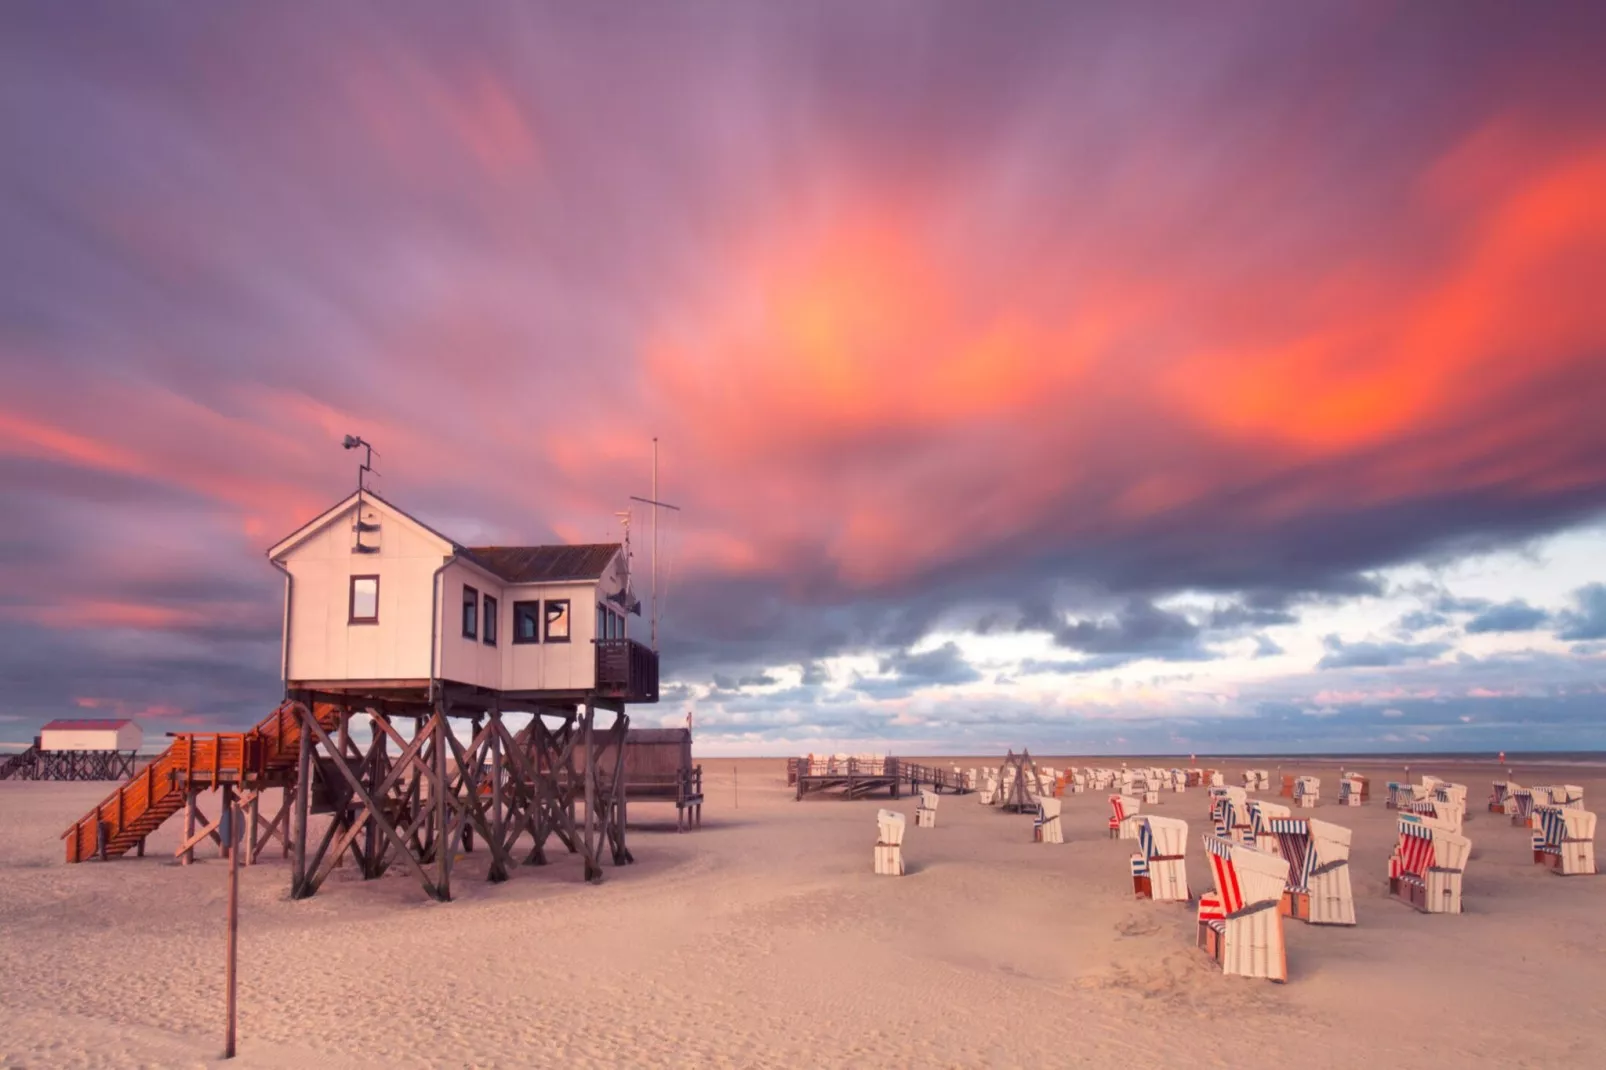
926, 810
1521, 805
1250, 780
1317, 853
1046, 828
1498, 796
1123, 809
1232, 816
1572, 795
889, 843
1307, 791
1214, 778
1159, 870
1195, 778
1240, 925
1427, 865
1564, 840
1349, 791
1261, 838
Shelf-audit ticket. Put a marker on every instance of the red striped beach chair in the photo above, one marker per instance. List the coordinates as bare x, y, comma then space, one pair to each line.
1239, 923
1428, 864
1124, 809
1317, 853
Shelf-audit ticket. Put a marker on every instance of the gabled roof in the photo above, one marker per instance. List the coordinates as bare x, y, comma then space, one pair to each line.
545, 564
86, 724
333, 513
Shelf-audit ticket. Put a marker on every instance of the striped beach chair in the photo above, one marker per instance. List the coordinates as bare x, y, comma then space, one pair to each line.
1239, 923
1231, 815
1307, 791
1349, 791
1521, 805
1159, 870
1046, 827
1564, 840
1498, 797
1261, 811
1427, 865
1123, 809
1317, 853
889, 843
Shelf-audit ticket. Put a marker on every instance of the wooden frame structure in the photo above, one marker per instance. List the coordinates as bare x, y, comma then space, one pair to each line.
419, 805
659, 768
857, 778
1016, 794
37, 764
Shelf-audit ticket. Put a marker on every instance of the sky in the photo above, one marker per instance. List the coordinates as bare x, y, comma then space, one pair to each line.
1098, 378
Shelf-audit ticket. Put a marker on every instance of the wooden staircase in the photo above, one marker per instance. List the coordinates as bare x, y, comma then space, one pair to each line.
19, 765
263, 757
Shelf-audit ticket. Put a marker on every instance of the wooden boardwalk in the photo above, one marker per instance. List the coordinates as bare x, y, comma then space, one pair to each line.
854, 779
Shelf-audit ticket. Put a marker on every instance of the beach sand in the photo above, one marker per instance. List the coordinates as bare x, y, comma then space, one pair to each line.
764, 939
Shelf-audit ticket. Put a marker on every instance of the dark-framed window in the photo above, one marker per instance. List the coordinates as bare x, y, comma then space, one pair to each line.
557, 620
603, 631
364, 607
490, 621
471, 612
526, 622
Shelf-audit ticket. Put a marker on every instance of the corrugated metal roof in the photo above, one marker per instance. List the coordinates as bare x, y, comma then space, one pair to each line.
86, 724
545, 564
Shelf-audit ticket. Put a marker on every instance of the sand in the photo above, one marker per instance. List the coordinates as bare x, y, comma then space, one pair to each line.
765, 940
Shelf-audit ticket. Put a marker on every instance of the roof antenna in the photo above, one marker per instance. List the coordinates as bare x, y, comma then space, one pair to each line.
656, 505
352, 442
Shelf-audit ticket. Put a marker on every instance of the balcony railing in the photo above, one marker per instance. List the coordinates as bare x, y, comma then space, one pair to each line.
626, 670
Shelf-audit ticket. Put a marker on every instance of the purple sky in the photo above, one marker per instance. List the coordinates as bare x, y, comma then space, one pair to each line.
1141, 377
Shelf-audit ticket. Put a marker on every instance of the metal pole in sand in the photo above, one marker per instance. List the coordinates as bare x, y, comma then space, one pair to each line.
233, 840
736, 786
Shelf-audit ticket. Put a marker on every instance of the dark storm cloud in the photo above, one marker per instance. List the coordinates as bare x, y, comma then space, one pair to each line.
825, 253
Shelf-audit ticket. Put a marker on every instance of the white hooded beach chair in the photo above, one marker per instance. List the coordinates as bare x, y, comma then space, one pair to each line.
1159, 870
889, 843
1215, 779
1349, 791
926, 810
1564, 840
1307, 791
1124, 810
1317, 854
1261, 838
1399, 794
1428, 864
1231, 814
1240, 925
1046, 829
1521, 805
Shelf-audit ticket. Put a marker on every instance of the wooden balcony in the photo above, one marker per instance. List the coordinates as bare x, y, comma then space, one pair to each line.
626, 670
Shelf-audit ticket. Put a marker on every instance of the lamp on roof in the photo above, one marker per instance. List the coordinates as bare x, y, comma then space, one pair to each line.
351, 442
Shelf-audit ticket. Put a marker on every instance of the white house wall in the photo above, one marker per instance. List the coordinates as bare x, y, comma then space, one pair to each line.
471, 661
548, 666
128, 737
323, 643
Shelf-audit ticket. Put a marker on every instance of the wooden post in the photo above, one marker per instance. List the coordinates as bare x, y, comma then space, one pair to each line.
251, 830
298, 870
230, 976
189, 824
443, 846
593, 870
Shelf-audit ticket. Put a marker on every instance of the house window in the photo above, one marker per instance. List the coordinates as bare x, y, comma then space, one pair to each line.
526, 622
471, 612
603, 630
557, 620
490, 621
364, 600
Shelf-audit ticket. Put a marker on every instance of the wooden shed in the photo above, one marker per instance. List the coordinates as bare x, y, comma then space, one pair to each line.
658, 767
91, 733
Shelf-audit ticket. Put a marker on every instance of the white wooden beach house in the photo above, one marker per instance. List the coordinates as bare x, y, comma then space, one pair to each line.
377, 601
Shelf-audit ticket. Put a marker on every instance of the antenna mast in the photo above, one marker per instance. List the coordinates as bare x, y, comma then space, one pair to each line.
656, 505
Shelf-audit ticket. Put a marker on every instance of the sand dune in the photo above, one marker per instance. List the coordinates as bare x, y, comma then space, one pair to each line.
765, 940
